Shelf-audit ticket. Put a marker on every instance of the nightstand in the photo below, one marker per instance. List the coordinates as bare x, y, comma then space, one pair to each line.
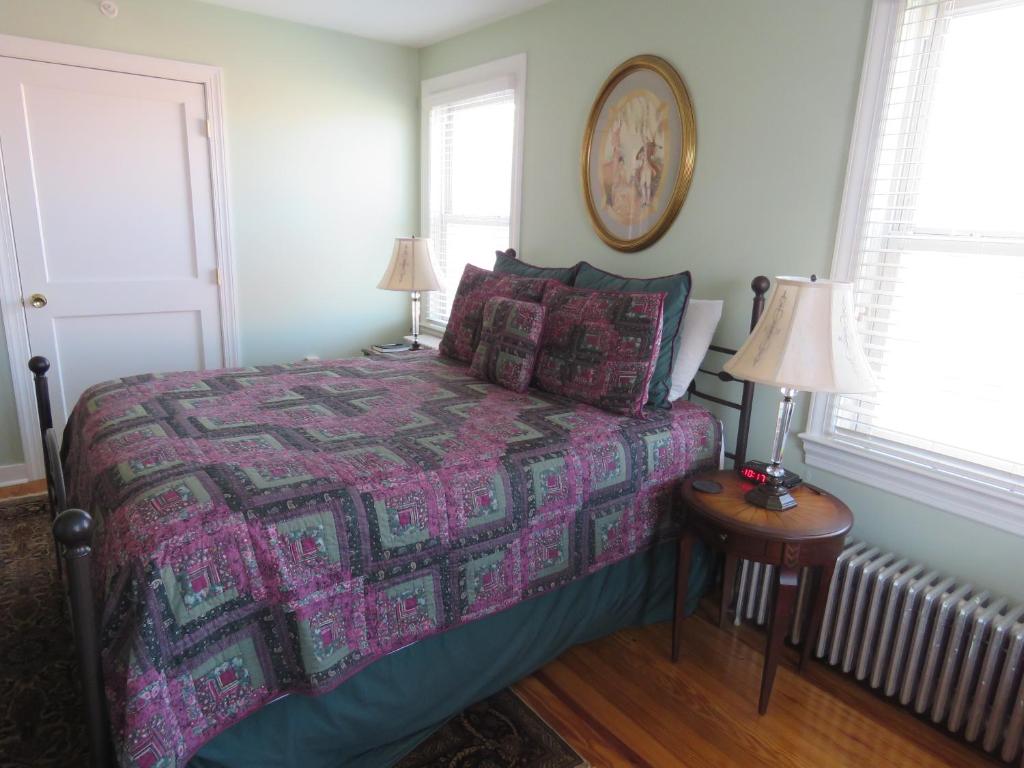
427, 341
810, 534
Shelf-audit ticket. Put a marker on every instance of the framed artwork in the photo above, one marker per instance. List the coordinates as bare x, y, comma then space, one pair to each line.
638, 154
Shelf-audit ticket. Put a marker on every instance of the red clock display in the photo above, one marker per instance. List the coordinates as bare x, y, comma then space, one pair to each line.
757, 472
754, 476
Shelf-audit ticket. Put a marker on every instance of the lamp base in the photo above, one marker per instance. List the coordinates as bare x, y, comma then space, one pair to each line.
774, 497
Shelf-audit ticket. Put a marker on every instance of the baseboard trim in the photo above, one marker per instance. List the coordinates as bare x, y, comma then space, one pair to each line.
13, 474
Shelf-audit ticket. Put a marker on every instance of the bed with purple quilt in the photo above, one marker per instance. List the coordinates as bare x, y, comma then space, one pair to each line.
288, 529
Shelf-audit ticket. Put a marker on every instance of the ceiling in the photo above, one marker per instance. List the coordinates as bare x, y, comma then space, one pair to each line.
407, 22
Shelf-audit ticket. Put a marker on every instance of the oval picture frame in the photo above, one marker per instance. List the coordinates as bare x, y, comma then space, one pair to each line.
639, 151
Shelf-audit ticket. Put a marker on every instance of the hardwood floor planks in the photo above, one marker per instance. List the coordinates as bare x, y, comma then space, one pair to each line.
22, 489
590, 701
620, 701
579, 730
691, 689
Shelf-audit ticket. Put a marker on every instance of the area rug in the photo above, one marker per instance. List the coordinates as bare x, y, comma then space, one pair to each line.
41, 713
500, 732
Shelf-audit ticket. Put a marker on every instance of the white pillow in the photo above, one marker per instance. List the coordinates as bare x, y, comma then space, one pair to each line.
699, 324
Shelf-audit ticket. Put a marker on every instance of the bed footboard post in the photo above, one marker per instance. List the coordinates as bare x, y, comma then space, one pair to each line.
759, 285
39, 366
73, 528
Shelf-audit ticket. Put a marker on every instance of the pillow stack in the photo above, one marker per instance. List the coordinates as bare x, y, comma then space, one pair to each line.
603, 339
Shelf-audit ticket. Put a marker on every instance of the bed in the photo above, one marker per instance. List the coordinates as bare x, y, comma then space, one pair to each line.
393, 535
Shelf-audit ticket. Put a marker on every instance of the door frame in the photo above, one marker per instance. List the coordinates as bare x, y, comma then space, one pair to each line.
11, 304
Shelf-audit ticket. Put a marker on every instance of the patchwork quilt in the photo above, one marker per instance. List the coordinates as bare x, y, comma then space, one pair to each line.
274, 529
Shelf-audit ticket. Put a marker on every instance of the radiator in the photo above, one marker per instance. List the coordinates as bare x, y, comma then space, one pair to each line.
935, 644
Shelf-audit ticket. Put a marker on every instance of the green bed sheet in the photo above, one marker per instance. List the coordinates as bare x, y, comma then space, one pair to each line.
378, 716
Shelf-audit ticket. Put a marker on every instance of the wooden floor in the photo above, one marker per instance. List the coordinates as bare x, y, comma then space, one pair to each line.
22, 489
619, 701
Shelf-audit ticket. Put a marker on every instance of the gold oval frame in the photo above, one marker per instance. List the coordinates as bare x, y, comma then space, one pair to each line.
688, 150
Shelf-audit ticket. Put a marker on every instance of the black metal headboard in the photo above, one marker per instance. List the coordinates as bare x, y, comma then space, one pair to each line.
759, 285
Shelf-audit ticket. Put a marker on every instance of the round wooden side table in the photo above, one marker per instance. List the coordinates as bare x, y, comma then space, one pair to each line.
810, 534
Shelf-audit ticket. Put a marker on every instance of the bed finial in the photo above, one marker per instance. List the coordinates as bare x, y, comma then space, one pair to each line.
39, 365
73, 529
760, 285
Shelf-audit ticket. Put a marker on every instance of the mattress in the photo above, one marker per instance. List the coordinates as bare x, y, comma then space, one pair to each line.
277, 529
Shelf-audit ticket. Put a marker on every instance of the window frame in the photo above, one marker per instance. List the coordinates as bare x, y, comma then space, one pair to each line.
949, 484
508, 72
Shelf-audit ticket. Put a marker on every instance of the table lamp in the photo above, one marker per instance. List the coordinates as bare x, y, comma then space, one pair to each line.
805, 340
411, 269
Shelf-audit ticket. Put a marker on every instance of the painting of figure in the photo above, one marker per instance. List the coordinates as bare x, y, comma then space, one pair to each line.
634, 149
638, 153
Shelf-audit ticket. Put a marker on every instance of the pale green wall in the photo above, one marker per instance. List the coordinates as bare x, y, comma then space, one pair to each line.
322, 132
10, 440
774, 88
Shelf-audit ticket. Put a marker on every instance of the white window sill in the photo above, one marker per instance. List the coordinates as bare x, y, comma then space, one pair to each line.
968, 497
427, 339
433, 327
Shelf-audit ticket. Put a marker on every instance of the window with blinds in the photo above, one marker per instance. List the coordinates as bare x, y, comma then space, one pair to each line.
470, 142
937, 256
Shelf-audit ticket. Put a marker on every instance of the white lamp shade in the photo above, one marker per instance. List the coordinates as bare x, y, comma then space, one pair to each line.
806, 339
411, 267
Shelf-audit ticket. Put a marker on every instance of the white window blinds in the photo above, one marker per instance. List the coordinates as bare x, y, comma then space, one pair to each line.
939, 261
471, 143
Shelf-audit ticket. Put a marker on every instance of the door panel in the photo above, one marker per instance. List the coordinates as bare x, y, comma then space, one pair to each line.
131, 347
154, 205
109, 185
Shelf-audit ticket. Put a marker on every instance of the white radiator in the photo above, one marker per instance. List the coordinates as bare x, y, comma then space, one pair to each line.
937, 645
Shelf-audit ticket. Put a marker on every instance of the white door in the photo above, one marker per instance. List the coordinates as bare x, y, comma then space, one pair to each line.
109, 186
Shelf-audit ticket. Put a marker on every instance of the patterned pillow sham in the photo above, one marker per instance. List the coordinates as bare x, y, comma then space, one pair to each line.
677, 289
475, 288
600, 347
509, 340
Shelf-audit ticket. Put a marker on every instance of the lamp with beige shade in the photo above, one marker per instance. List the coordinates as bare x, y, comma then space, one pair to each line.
805, 340
411, 269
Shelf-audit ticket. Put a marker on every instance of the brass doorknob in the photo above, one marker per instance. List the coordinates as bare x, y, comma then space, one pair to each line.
37, 300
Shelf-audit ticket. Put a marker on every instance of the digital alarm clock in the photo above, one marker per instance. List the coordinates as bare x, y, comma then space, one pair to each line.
757, 472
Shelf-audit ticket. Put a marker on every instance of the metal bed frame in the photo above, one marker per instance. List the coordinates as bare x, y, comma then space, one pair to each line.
73, 530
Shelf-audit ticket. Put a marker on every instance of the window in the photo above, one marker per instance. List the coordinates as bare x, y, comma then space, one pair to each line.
472, 123
932, 235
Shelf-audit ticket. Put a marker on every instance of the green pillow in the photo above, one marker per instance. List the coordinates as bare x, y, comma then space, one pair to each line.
677, 290
510, 265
